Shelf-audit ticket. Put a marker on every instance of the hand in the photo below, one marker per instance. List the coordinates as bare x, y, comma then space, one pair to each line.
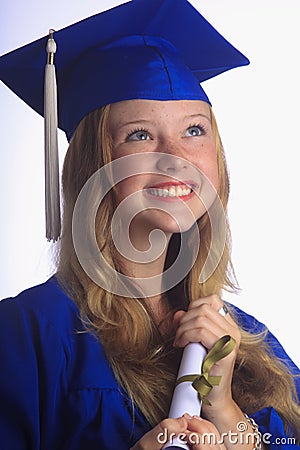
200, 434
202, 323
203, 435
156, 438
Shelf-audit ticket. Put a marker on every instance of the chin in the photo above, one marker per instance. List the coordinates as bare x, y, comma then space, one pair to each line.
168, 224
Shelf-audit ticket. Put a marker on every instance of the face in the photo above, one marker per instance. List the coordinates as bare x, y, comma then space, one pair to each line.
173, 143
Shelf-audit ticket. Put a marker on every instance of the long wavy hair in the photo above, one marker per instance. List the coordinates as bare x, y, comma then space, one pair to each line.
142, 358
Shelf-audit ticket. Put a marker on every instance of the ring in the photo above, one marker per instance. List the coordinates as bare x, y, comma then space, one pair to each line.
224, 310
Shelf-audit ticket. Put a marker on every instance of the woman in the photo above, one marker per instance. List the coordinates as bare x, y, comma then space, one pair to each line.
91, 367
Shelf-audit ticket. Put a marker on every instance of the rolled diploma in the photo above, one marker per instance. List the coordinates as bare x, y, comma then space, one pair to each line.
185, 397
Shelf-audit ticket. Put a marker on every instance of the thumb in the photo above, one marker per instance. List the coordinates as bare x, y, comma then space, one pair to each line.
162, 434
177, 317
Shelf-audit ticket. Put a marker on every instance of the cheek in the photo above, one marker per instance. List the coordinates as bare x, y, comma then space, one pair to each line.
213, 174
207, 162
122, 190
127, 187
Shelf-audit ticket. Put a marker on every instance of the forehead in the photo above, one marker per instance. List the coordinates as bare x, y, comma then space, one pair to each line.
147, 109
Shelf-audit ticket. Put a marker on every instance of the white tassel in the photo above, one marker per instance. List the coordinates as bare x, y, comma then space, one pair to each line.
52, 192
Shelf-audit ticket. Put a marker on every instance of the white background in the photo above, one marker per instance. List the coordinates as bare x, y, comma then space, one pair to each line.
257, 108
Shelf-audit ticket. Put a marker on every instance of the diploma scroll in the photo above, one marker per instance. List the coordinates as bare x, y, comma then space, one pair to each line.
185, 398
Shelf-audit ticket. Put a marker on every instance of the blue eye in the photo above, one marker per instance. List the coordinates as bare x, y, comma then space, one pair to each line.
138, 135
195, 130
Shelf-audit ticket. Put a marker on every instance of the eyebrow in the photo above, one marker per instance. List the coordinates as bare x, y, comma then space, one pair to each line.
191, 116
133, 122
145, 121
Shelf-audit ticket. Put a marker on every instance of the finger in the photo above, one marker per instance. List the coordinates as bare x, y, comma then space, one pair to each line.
207, 336
202, 434
178, 317
176, 320
206, 310
200, 425
206, 330
163, 433
204, 317
213, 300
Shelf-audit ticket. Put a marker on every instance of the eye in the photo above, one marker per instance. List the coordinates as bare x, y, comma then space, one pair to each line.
138, 135
195, 130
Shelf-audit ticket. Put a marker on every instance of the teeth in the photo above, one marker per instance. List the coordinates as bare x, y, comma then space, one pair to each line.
172, 191
179, 191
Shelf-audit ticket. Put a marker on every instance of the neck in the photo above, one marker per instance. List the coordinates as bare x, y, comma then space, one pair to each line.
140, 262
144, 255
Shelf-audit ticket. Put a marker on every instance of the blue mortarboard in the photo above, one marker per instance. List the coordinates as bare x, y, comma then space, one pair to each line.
143, 49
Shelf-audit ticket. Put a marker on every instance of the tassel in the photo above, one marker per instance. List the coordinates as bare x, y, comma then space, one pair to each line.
52, 192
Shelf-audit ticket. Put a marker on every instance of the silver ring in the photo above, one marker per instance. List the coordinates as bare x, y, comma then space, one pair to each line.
224, 310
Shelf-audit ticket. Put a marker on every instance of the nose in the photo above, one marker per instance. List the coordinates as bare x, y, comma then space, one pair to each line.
169, 163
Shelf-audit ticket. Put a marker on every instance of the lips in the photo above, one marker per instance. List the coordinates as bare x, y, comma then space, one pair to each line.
172, 189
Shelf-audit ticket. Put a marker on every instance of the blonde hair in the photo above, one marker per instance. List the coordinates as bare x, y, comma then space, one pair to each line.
137, 351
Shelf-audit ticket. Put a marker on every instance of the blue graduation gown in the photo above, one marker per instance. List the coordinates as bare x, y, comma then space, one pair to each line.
57, 390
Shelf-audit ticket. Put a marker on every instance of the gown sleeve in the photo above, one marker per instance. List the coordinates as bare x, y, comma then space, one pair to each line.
32, 380
270, 424
98, 419
57, 390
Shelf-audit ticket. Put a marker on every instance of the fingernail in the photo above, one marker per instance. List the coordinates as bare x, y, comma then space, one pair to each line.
181, 422
187, 416
197, 417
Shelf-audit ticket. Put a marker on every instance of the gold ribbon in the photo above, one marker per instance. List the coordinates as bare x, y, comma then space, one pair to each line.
204, 383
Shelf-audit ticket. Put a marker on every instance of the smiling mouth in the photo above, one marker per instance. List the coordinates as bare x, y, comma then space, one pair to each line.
172, 190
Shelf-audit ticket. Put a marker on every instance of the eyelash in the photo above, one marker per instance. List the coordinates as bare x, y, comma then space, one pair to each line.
202, 128
136, 130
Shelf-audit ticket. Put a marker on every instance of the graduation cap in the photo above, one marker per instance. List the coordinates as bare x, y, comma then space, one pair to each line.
143, 49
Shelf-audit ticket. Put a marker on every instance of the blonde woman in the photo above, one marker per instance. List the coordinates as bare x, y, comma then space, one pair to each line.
90, 358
